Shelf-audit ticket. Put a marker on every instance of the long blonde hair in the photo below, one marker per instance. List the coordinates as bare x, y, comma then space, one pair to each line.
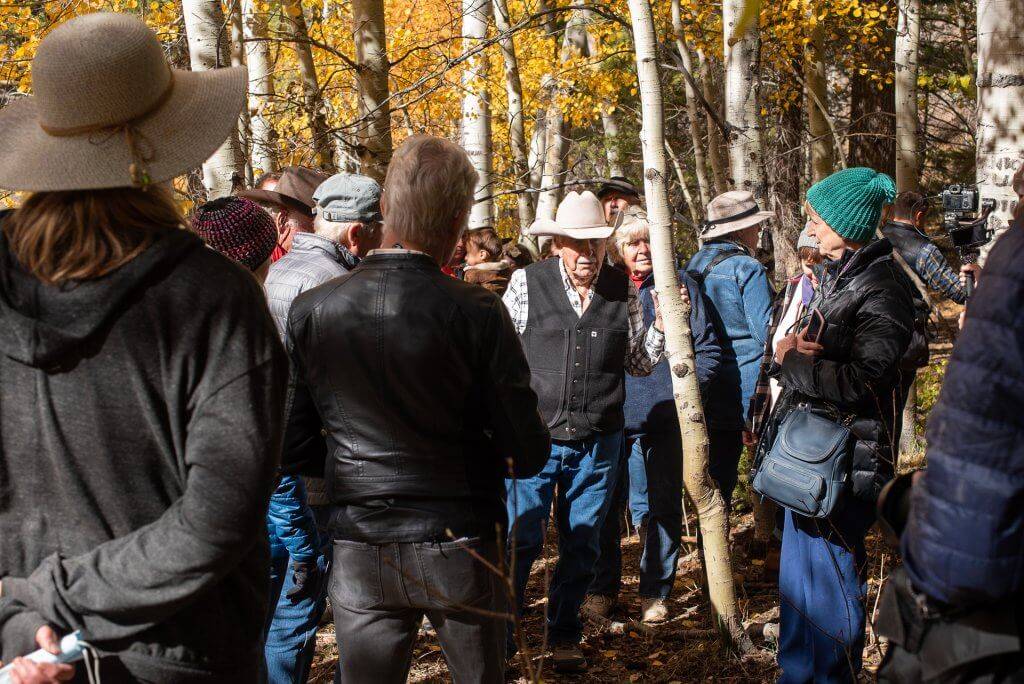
84, 234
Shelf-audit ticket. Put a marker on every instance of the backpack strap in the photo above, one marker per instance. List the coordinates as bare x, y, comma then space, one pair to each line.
699, 276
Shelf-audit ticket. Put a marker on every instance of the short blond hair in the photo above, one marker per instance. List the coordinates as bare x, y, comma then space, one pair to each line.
634, 226
428, 193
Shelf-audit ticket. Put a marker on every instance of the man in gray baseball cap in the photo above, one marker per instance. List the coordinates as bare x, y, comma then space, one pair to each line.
346, 226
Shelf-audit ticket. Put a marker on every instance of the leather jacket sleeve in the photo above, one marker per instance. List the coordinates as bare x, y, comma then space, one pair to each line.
879, 339
519, 434
305, 449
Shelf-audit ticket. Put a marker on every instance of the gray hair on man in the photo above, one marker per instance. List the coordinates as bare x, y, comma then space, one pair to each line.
631, 227
428, 193
337, 231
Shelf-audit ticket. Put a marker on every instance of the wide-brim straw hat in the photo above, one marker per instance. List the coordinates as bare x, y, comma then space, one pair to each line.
108, 111
732, 211
579, 216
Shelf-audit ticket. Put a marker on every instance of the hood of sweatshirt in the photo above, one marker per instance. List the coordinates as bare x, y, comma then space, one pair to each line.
45, 325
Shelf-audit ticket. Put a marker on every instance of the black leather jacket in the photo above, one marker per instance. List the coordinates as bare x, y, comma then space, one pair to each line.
423, 392
869, 316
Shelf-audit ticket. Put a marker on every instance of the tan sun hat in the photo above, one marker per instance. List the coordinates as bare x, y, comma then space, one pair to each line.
732, 211
579, 216
109, 111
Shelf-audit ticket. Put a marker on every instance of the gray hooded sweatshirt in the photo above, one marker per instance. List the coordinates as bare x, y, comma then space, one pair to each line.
140, 431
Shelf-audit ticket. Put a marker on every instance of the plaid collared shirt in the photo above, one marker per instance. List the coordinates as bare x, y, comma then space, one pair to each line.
646, 346
936, 272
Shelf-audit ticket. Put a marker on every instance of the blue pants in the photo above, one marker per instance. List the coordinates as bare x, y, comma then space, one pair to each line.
585, 472
291, 630
724, 450
822, 587
655, 491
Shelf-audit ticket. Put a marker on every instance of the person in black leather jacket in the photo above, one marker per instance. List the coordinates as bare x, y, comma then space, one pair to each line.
423, 392
850, 372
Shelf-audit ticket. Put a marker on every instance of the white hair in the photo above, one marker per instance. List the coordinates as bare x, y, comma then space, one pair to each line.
634, 226
335, 230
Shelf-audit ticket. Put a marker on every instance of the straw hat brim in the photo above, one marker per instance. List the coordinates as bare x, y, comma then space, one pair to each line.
739, 224
200, 113
552, 228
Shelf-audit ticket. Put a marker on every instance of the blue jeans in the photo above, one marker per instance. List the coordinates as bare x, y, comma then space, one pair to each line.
822, 587
585, 472
291, 630
724, 450
655, 491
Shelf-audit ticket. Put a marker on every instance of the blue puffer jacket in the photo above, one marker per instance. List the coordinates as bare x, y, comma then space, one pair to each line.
964, 541
650, 406
290, 522
740, 299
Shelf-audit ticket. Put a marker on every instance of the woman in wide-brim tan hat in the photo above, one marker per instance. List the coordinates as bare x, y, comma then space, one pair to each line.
143, 381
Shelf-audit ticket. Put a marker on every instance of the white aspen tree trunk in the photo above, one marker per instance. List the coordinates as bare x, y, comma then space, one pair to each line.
700, 164
746, 158
1000, 106
371, 51
823, 158
713, 520
716, 144
538, 138
516, 120
556, 144
261, 89
238, 59
908, 33
208, 48
476, 109
683, 187
609, 120
323, 155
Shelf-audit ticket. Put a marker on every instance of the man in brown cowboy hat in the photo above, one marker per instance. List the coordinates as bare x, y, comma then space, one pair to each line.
581, 326
617, 194
290, 201
737, 289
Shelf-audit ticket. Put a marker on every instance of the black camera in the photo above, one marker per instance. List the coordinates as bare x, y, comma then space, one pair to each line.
965, 220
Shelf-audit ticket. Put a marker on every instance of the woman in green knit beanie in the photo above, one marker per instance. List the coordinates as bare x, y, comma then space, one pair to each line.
847, 364
846, 208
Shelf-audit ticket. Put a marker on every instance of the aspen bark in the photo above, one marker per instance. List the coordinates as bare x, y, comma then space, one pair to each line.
476, 109
716, 153
311, 95
908, 32
700, 165
713, 520
374, 131
516, 121
1000, 104
208, 48
823, 158
742, 83
261, 89
238, 59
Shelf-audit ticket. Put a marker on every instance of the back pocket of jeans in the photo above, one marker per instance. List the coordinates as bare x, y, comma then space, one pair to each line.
456, 573
355, 575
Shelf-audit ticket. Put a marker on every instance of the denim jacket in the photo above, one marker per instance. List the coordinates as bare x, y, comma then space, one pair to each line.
740, 299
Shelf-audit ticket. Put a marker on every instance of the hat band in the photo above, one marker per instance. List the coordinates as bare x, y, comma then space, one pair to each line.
705, 225
132, 135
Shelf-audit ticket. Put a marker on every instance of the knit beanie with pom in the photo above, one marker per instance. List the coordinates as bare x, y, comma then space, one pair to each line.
238, 228
850, 201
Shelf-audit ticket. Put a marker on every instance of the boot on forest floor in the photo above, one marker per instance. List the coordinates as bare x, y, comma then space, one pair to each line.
653, 611
568, 658
598, 605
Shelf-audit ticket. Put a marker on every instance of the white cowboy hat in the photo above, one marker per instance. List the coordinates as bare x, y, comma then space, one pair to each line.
732, 211
109, 111
579, 216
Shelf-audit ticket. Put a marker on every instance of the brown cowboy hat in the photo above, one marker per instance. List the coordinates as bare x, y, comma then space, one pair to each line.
108, 111
295, 189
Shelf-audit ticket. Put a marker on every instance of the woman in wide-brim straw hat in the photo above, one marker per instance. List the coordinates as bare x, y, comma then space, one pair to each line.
143, 383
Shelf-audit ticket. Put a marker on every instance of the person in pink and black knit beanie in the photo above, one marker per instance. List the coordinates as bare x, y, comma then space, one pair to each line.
239, 229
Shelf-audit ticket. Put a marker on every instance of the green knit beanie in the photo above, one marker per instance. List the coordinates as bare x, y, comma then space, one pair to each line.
850, 201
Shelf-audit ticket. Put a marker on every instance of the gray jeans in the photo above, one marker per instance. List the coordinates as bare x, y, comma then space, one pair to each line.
380, 594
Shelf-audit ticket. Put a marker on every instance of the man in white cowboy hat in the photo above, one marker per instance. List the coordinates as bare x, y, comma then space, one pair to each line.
581, 325
737, 289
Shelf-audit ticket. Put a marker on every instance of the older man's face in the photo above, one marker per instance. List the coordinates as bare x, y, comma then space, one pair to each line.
615, 203
582, 258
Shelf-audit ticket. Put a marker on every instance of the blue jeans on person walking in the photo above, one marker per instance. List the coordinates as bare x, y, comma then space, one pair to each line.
822, 587
291, 628
654, 490
585, 472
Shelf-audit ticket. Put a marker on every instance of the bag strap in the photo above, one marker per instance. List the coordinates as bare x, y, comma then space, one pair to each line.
717, 259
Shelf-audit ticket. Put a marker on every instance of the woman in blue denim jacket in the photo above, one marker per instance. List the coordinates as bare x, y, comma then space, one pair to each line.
739, 295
